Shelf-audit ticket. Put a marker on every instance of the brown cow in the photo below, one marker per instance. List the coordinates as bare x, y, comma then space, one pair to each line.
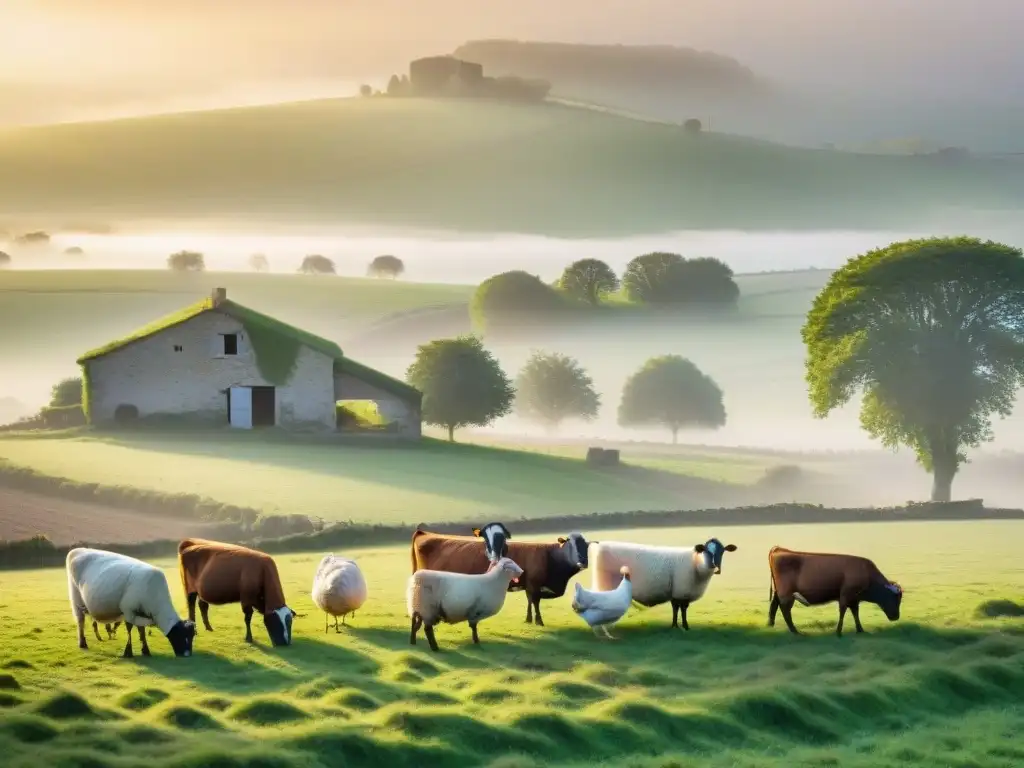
215, 573
547, 567
814, 578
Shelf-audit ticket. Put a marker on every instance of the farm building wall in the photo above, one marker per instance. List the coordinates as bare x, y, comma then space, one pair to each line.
182, 371
392, 408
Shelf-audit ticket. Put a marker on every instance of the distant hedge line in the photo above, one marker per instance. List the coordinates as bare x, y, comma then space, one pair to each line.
40, 552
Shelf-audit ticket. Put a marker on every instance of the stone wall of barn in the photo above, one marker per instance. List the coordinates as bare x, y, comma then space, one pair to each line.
392, 408
182, 371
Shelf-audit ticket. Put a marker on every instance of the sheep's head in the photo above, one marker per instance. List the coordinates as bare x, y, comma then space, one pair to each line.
575, 547
510, 569
496, 537
181, 636
279, 625
713, 551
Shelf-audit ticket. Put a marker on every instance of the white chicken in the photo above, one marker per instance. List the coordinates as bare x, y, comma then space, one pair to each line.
599, 609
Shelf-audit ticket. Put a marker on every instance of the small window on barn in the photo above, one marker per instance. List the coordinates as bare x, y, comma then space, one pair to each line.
178, 348
230, 343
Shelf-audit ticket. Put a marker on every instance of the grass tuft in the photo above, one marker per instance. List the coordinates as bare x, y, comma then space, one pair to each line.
141, 700
67, 706
994, 609
268, 712
190, 719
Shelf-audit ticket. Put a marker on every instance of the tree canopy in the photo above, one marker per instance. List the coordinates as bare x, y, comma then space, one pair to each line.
462, 384
259, 263
316, 264
552, 388
66, 392
588, 280
931, 332
186, 261
513, 300
672, 392
668, 278
386, 266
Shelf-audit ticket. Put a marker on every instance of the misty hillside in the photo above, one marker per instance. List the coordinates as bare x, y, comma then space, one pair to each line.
475, 166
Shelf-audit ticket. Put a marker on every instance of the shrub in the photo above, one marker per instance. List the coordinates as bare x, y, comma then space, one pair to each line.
74, 250
669, 279
365, 90
66, 392
33, 238
258, 263
186, 261
62, 417
316, 264
386, 266
514, 300
693, 126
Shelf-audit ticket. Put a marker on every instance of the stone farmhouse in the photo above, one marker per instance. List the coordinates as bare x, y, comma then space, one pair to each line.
218, 362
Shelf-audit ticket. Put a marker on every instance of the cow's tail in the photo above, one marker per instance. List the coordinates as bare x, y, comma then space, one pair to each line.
771, 573
412, 550
185, 544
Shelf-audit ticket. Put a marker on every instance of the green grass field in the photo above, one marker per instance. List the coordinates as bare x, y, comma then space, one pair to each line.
942, 687
472, 165
429, 482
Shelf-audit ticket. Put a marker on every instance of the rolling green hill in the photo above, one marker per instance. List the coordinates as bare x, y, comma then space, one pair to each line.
472, 165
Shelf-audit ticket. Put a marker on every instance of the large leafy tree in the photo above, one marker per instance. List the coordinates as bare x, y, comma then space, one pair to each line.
931, 332
512, 302
315, 264
588, 280
186, 261
462, 384
672, 392
66, 392
669, 279
386, 266
552, 388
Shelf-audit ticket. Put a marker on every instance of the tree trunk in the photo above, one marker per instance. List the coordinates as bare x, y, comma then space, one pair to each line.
943, 471
451, 433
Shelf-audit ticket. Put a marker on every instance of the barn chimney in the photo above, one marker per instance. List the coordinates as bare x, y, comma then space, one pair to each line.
220, 295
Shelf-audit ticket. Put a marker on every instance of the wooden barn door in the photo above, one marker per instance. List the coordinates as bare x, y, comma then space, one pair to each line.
240, 404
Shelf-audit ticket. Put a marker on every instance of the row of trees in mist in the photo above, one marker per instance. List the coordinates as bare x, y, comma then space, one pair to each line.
516, 300
386, 266
463, 385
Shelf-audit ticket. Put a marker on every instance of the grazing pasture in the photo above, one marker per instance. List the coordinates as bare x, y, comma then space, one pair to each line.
429, 481
473, 165
943, 686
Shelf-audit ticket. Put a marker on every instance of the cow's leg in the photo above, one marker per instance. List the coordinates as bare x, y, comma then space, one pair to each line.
536, 609
786, 606
476, 637
336, 627
842, 615
81, 632
96, 629
417, 622
855, 610
192, 597
112, 630
675, 613
326, 621
142, 637
128, 653
428, 630
529, 609
204, 609
773, 609
247, 611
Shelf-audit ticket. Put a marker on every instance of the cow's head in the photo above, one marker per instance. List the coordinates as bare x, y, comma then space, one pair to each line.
181, 636
495, 536
888, 595
575, 548
713, 551
279, 625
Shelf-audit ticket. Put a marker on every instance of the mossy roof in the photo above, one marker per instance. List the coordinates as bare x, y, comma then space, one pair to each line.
251, 317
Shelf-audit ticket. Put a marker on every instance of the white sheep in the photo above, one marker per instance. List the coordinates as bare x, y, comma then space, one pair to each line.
433, 596
109, 587
338, 588
679, 575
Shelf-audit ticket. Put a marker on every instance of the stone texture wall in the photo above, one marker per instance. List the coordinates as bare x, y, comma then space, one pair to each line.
158, 378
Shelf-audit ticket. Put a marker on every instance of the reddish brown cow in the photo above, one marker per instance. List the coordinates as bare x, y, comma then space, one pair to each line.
215, 573
814, 578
